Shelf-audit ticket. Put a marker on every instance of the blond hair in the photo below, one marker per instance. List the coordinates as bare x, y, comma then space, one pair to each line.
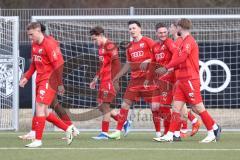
185, 23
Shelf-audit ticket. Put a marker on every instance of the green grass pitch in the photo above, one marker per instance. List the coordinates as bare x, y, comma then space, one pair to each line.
136, 146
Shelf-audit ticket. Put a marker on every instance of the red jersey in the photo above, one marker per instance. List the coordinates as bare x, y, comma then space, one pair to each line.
162, 54
187, 60
178, 41
137, 52
109, 61
47, 60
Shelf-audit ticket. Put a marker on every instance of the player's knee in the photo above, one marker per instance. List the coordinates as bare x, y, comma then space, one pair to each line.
176, 109
106, 116
195, 110
104, 108
126, 104
100, 108
184, 116
199, 108
39, 104
41, 109
184, 112
155, 106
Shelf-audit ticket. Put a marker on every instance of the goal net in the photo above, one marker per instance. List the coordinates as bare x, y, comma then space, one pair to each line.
218, 37
9, 73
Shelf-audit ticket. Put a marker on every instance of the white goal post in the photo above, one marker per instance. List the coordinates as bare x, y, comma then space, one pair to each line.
9, 73
218, 37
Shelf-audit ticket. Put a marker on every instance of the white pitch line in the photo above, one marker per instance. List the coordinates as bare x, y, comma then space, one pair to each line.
134, 149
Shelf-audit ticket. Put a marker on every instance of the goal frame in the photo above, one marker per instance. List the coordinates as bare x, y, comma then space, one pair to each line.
15, 61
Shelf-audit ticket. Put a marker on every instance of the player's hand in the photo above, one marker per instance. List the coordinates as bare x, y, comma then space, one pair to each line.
61, 90
145, 84
23, 82
161, 70
144, 64
92, 85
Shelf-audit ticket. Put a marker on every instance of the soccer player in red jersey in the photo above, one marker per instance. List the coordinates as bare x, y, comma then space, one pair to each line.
110, 65
47, 60
187, 86
139, 54
162, 54
56, 106
185, 113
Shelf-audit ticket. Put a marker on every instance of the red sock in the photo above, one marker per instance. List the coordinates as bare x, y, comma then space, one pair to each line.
34, 123
115, 117
64, 117
184, 124
165, 113
156, 120
191, 117
207, 120
56, 121
122, 118
166, 124
39, 127
178, 127
175, 122
105, 126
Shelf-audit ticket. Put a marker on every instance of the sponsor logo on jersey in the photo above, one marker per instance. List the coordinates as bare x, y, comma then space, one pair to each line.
37, 58
137, 54
160, 56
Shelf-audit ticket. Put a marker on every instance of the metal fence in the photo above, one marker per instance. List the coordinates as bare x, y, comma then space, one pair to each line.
26, 14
